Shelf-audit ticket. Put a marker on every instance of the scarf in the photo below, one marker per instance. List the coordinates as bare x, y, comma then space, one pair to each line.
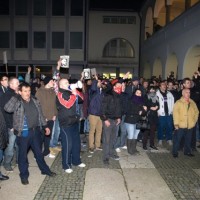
153, 97
138, 100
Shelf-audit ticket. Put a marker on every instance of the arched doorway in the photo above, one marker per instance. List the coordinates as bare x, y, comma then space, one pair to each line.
191, 62
171, 65
157, 68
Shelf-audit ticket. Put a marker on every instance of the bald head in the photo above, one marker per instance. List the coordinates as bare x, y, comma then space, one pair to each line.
64, 84
186, 93
14, 83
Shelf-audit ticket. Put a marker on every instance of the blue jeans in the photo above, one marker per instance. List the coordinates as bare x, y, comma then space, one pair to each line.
86, 126
33, 141
132, 131
165, 123
178, 135
55, 134
1, 158
71, 145
121, 139
9, 151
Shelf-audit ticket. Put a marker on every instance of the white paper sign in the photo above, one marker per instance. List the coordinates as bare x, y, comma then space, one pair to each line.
87, 73
5, 61
64, 61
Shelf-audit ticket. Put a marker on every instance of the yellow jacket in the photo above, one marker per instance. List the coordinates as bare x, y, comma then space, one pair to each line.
185, 115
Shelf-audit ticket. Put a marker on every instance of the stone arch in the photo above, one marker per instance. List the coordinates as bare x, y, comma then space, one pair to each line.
191, 61
157, 68
149, 23
171, 65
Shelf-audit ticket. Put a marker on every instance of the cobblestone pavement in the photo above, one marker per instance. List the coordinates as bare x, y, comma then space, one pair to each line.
70, 186
179, 174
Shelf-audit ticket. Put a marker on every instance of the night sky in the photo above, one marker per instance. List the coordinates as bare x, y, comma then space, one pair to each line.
134, 5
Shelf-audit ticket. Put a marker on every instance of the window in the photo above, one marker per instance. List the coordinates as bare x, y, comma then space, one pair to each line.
76, 7
58, 7
21, 40
39, 40
4, 39
57, 40
4, 7
119, 48
21, 7
39, 7
76, 40
119, 19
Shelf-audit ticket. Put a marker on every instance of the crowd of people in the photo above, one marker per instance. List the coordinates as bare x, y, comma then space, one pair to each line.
49, 115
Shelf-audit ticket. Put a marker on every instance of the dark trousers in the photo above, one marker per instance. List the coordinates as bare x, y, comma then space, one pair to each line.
178, 135
150, 133
33, 141
47, 138
193, 139
70, 140
109, 139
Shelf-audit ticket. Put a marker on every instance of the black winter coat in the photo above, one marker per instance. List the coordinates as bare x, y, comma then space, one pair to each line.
3, 132
132, 113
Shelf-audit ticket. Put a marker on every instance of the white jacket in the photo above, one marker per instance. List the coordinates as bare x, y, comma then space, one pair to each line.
170, 103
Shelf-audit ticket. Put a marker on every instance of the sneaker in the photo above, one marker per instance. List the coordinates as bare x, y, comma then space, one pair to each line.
69, 171
118, 150
8, 168
169, 142
106, 161
91, 150
144, 147
153, 147
160, 142
52, 151
82, 165
124, 147
51, 155
115, 157
57, 148
98, 149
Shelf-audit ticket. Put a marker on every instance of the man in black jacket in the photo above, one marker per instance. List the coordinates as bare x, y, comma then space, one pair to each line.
4, 84
111, 116
68, 117
9, 151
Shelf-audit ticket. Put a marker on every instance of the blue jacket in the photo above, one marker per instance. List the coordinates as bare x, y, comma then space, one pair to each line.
96, 96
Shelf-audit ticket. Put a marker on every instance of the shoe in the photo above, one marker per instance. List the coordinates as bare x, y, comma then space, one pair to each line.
69, 171
98, 149
106, 161
189, 154
169, 142
124, 147
82, 165
153, 147
145, 148
115, 157
24, 181
91, 150
198, 146
52, 174
160, 142
3, 177
51, 155
175, 155
118, 150
8, 168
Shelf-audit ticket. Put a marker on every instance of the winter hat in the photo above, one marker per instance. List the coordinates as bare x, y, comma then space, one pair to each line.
47, 79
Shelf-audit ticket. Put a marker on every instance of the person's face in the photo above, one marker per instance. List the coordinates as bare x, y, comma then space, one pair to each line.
99, 83
51, 83
4, 81
25, 93
65, 84
170, 86
163, 87
152, 90
14, 84
187, 84
138, 93
136, 83
186, 94
145, 84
